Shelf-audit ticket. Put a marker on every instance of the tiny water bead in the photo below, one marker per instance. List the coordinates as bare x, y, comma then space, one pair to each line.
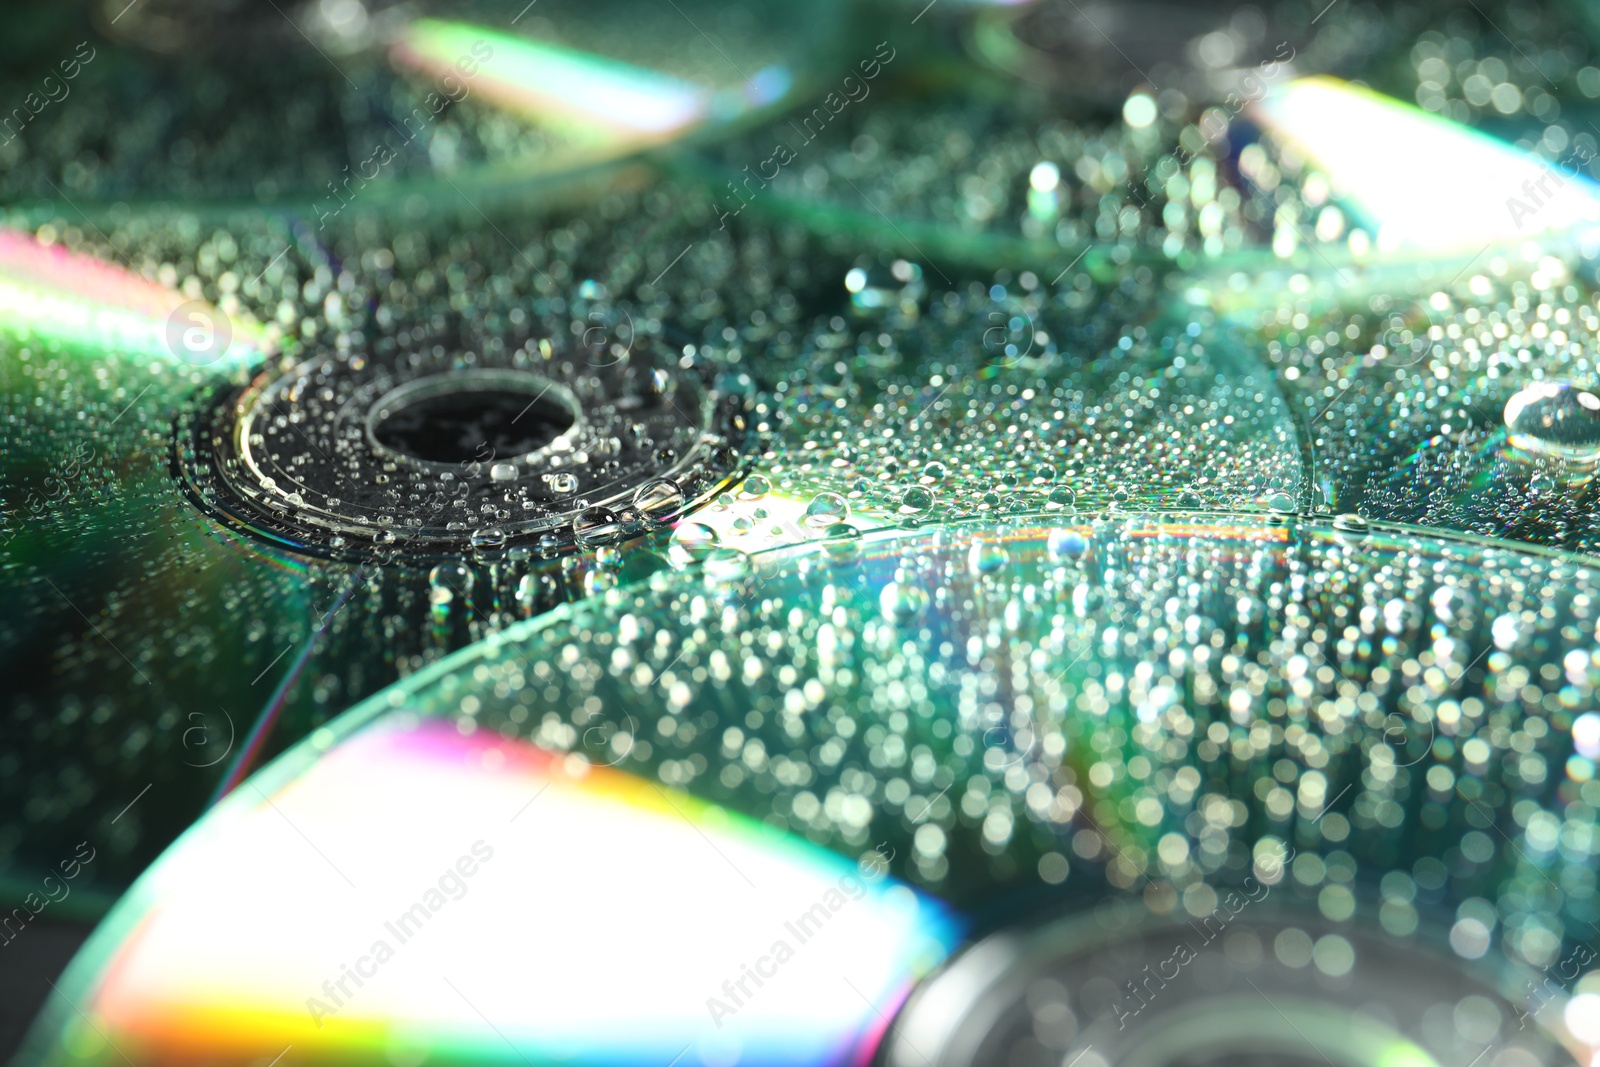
659, 501
448, 581
724, 565
902, 602
916, 500
755, 487
826, 509
691, 542
488, 539
528, 591
1557, 419
562, 482
1066, 544
987, 556
841, 540
597, 526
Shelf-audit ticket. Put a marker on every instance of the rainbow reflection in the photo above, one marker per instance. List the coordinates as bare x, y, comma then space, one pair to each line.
589, 96
1422, 182
417, 894
52, 296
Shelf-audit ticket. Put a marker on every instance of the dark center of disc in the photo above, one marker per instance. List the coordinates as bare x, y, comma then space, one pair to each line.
473, 425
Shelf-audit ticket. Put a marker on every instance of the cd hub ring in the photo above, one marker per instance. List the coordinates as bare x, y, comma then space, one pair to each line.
424, 456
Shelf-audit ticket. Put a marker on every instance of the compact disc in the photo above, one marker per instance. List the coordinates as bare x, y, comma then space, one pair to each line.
1347, 767
253, 472
974, 174
1441, 378
1219, 156
316, 107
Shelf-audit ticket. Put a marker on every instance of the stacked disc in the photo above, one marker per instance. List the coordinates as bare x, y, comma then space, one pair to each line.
1045, 553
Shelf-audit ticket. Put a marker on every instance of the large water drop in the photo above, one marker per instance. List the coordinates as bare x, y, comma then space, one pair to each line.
1555, 418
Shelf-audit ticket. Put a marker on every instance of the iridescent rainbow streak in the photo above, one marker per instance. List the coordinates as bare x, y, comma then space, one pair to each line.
256, 739
603, 896
1425, 183
614, 105
53, 296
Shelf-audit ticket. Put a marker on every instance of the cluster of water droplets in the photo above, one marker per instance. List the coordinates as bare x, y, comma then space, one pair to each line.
1467, 404
1146, 702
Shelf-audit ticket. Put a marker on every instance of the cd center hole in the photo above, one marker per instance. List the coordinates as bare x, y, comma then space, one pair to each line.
470, 425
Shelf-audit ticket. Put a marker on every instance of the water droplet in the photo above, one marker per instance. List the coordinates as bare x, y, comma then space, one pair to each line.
901, 602
528, 594
1066, 544
1350, 523
826, 509
691, 542
1062, 496
1555, 418
596, 526
755, 487
659, 501
842, 540
446, 582
503, 472
1282, 503
934, 472
726, 565
916, 499
488, 539
562, 482
384, 537
987, 556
